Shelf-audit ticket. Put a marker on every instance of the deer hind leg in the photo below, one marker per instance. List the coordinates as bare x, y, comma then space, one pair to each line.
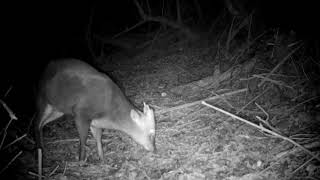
82, 125
49, 114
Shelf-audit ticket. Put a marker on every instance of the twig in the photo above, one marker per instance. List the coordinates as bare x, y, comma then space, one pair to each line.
54, 170
12, 117
199, 101
300, 167
74, 140
65, 168
269, 167
224, 99
279, 64
252, 100
279, 83
4, 136
16, 140
11, 114
263, 129
154, 38
7, 92
263, 74
294, 43
13, 159
310, 99
30, 140
35, 174
314, 62
308, 136
128, 29
267, 123
267, 119
31, 122
230, 35
140, 10
247, 86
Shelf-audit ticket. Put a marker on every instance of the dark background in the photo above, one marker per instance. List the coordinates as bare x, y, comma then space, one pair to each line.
36, 32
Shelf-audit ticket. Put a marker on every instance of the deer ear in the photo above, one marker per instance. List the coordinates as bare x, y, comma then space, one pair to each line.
136, 117
145, 108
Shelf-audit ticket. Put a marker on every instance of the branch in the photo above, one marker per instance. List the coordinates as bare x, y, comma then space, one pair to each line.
16, 140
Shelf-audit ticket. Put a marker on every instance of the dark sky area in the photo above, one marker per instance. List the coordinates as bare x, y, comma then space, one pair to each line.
55, 29
40, 31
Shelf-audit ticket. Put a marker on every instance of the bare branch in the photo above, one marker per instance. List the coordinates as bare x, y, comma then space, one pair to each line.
16, 140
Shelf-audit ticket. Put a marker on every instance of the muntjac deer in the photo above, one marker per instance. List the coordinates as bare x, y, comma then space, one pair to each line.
74, 88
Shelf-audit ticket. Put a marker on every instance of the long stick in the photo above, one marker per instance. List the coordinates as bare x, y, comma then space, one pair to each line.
39, 164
